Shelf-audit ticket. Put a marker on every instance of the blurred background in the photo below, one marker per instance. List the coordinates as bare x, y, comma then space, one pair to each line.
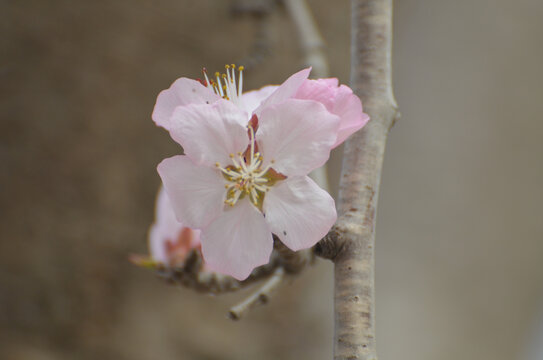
460, 229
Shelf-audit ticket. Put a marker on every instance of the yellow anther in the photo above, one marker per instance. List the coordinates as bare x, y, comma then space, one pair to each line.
217, 74
226, 186
227, 66
241, 68
231, 156
233, 66
223, 76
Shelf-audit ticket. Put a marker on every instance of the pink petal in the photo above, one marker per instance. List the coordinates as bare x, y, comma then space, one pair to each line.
333, 82
237, 241
196, 192
349, 108
182, 92
297, 134
299, 212
209, 133
252, 99
286, 90
338, 100
320, 90
167, 231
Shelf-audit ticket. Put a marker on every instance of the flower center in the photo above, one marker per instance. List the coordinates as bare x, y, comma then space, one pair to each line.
246, 177
226, 85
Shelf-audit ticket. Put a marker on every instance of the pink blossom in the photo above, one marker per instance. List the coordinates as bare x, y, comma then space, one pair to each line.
247, 155
339, 100
169, 240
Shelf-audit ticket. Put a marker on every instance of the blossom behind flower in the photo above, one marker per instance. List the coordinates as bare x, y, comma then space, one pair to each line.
170, 241
339, 100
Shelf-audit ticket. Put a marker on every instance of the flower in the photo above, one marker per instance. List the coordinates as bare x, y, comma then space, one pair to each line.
170, 241
247, 155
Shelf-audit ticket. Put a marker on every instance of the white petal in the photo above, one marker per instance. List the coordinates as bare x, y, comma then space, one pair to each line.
299, 212
297, 134
237, 241
286, 90
209, 133
252, 99
196, 192
182, 92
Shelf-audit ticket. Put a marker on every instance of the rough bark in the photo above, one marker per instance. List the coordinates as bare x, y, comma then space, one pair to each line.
353, 253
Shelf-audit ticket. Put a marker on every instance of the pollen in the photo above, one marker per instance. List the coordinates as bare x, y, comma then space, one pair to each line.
228, 85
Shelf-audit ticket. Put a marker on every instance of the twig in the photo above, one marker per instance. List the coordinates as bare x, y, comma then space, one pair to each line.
261, 296
312, 46
353, 251
309, 37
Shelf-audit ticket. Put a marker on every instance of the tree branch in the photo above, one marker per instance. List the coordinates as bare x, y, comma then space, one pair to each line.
309, 37
353, 249
261, 296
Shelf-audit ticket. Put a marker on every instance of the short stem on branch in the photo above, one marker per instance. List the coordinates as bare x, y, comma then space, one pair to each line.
261, 296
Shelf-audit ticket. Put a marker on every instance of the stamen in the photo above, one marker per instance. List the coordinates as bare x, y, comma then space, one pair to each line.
226, 85
240, 69
233, 81
246, 177
219, 84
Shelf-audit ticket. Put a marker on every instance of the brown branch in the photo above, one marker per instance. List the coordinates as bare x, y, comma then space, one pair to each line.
293, 261
327, 247
192, 275
352, 247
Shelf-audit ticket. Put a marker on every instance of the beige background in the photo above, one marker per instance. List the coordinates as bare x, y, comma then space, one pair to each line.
459, 243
